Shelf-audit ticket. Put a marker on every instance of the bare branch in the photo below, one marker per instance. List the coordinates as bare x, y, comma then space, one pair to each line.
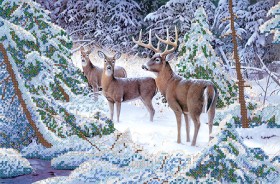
274, 77
78, 30
249, 68
258, 83
13, 98
265, 92
274, 91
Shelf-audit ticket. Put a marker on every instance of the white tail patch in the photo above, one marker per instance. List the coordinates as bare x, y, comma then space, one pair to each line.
205, 101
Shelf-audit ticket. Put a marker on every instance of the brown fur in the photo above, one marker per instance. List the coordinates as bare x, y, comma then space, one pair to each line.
183, 96
118, 90
187, 97
94, 73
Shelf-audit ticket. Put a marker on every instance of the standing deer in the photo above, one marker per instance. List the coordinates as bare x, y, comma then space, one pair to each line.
187, 97
94, 73
118, 90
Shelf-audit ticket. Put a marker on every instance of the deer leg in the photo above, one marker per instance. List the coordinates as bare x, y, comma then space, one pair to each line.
196, 122
95, 91
150, 108
211, 115
118, 111
111, 106
187, 127
178, 118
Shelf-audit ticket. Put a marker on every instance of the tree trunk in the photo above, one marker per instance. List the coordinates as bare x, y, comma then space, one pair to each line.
10, 70
243, 110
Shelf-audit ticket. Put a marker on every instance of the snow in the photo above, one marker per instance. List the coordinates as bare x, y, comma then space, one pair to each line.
272, 25
33, 150
257, 93
158, 143
161, 134
6, 29
13, 164
256, 138
139, 149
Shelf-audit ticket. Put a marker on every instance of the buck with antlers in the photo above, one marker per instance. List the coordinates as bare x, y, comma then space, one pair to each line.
187, 97
118, 90
94, 73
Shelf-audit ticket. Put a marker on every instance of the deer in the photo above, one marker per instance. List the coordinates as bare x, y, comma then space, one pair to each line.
94, 73
190, 97
118, 90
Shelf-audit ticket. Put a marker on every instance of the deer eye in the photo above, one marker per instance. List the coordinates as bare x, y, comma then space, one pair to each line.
87, 55
158, 60
105, 61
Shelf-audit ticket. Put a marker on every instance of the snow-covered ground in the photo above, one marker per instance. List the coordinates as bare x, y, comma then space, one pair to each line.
161, 135
154, 139
13, 164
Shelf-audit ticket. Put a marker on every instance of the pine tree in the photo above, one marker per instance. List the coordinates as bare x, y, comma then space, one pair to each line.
273, 24
256, 41
45, 84
177, 13
199, 59
227, 159
221, 25
103, 23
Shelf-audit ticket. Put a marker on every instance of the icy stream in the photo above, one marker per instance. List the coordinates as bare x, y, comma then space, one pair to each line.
41, 170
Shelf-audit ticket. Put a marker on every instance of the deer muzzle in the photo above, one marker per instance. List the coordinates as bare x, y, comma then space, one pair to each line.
145, 67
109, 67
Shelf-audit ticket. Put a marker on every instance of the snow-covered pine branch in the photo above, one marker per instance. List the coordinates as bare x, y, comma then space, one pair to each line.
273, 24
46, 84
200, 61
108, 23
177, 13
255, 41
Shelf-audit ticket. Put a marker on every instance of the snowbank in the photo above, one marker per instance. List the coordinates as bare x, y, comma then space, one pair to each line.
122, 161
73, 143
229, 160
12, 164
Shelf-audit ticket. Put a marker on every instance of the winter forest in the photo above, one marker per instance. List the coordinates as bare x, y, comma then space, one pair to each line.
139, 91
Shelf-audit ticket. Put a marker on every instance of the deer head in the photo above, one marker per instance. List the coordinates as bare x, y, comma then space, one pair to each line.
109, 62
85, 56
159, 59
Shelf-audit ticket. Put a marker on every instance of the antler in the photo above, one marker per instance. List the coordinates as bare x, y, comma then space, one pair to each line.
157, 50
169, 42
149, 45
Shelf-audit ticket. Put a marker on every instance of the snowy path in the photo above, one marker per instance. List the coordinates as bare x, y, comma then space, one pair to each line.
160, 135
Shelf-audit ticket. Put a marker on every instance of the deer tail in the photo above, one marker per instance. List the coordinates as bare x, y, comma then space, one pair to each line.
210, 97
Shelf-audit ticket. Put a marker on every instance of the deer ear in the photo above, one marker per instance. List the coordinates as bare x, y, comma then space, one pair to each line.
117, 56
169, 57
101, 54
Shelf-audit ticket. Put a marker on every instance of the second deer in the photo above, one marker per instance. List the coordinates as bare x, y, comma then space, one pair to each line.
188, 97
118, 90
94, 73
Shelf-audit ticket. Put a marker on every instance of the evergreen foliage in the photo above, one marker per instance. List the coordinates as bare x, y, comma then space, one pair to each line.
39, 52
199, 60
